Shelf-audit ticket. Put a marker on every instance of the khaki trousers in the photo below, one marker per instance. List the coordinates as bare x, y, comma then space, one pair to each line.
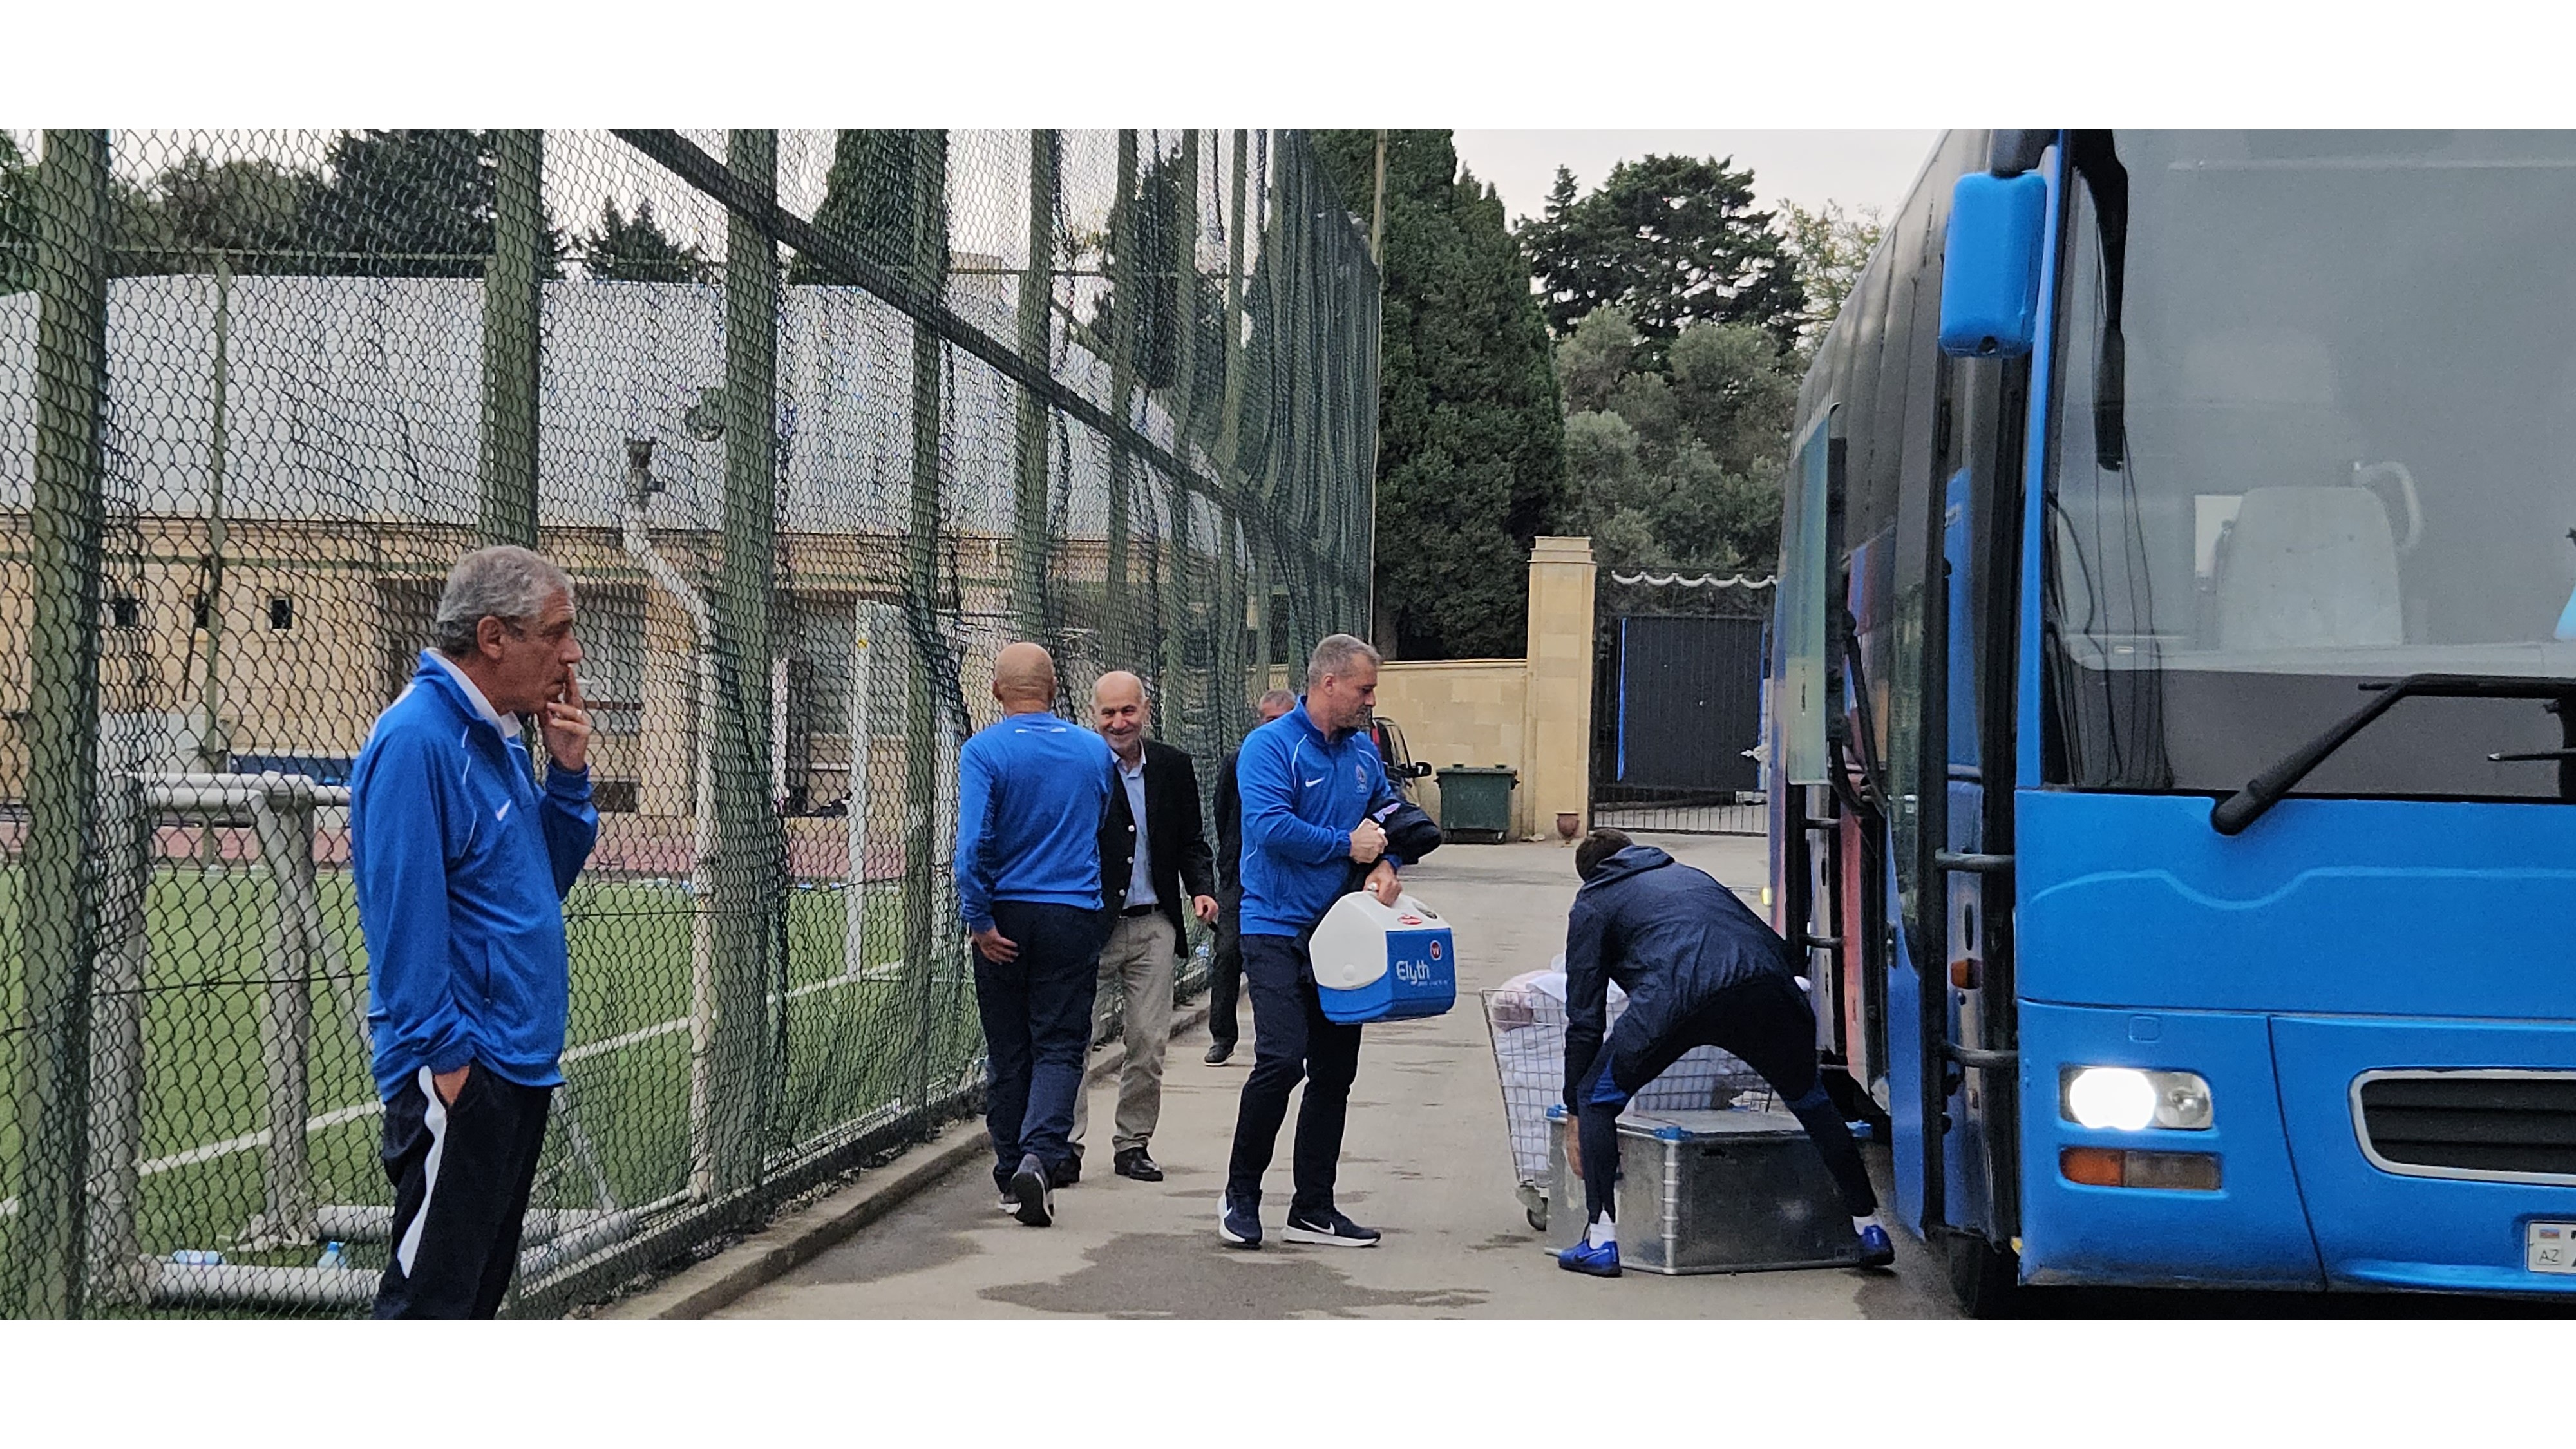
1138, 964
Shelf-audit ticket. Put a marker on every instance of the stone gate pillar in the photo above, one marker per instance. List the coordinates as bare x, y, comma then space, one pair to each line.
1558, 727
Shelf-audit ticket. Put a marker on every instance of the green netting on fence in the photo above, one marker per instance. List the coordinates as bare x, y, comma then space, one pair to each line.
816, 420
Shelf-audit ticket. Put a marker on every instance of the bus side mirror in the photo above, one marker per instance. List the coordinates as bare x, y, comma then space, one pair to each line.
1990, 268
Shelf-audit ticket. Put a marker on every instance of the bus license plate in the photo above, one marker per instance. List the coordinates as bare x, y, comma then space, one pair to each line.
2549, 1247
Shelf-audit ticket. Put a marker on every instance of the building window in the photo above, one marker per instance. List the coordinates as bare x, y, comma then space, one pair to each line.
281, 614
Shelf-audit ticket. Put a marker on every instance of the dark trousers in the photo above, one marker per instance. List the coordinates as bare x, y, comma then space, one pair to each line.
1036, 1010
1766, 1022
461, 1173
1225, 971
1292, 1039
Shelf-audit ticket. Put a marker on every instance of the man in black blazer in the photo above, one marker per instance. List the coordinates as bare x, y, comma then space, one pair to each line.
1146, 873
1225, 966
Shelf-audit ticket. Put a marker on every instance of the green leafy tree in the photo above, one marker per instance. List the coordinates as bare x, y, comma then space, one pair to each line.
17, 218
868, 202
409, 204
1670, 240
636, 249
1679, 466
1471, 450
1827, 249
1159, 224
248, 210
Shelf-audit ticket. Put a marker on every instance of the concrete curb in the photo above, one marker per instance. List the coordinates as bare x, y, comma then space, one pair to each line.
800, 1237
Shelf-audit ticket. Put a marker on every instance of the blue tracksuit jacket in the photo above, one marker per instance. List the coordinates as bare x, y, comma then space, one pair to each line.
1031, 792
461, 865
1303, 794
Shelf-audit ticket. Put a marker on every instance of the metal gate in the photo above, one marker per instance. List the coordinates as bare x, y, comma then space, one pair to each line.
1678, 706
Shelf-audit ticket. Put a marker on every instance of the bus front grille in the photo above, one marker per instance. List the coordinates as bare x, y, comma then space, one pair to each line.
2500, 1124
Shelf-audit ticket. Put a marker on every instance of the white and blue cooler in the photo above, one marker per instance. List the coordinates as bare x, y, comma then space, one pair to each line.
1383, 963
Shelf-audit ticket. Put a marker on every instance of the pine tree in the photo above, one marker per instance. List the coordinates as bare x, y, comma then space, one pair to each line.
1471, 453
1671, 240
636, 249
410, 204
868, 203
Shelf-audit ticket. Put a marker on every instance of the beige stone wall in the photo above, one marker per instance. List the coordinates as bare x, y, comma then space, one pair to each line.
1532, 714
1460, 712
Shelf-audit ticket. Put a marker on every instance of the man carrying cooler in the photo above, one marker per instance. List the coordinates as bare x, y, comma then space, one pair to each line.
1308, 779
1700, 969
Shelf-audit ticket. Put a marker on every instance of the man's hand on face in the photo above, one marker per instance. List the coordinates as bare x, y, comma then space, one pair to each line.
567, 726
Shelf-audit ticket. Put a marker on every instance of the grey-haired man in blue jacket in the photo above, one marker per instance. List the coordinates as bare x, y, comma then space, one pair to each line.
462, 860
1309, 780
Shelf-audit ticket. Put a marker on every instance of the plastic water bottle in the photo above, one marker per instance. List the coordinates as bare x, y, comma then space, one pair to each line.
331, 1257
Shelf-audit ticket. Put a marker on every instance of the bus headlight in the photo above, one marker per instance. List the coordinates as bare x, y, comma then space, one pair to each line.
2127, 1099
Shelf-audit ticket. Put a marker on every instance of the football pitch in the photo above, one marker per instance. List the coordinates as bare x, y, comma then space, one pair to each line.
620, 1137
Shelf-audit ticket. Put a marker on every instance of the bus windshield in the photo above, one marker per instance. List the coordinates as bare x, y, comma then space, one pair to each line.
2314, 426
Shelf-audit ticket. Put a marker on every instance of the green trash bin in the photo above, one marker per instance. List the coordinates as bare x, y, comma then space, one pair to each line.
1476, 802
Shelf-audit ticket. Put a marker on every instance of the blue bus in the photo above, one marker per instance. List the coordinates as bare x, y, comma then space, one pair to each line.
2173, 708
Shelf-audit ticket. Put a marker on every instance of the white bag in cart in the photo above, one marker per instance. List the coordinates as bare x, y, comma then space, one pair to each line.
1527, 1014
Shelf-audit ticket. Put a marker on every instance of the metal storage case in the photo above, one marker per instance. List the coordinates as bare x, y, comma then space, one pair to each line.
1733, 1191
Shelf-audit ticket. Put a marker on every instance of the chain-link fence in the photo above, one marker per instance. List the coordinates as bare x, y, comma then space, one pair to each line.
816, 420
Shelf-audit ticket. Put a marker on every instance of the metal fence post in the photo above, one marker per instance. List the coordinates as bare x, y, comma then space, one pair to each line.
510, 326
1029, 554
59, 919
115, 1268
871, 633
281, 813
926, 925
749, 881
1126, 301
1231, 667
1179, 625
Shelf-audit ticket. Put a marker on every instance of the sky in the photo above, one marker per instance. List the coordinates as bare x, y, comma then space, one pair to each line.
1855, 168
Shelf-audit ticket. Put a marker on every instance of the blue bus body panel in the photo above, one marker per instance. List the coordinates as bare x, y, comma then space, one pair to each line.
2333, 938
2252, 1232
2341, 907
2383, 1229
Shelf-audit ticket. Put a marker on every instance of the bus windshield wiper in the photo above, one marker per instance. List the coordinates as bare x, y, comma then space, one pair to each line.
2231, 815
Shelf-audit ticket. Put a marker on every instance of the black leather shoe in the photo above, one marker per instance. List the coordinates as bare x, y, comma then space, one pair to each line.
1065, 1173
1132, 1162
1217, 1053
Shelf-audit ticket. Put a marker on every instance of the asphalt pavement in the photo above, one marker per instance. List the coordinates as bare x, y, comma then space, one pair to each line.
1425, 1159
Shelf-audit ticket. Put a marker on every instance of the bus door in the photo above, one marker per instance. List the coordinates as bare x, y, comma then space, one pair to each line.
1949, 440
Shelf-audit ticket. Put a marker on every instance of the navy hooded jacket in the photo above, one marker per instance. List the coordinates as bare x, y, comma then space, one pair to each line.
1670, 935
461, 865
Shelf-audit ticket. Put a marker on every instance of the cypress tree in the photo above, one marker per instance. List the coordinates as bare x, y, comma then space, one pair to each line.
1471, 447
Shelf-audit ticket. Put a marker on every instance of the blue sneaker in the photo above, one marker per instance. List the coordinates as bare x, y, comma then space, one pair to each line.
1599, 1262
1875, 1249
1238, 1223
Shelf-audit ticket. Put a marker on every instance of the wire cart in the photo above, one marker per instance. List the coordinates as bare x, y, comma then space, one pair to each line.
1528, 1026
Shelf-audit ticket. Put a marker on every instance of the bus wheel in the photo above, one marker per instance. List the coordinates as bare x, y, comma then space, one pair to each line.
1984, 1277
